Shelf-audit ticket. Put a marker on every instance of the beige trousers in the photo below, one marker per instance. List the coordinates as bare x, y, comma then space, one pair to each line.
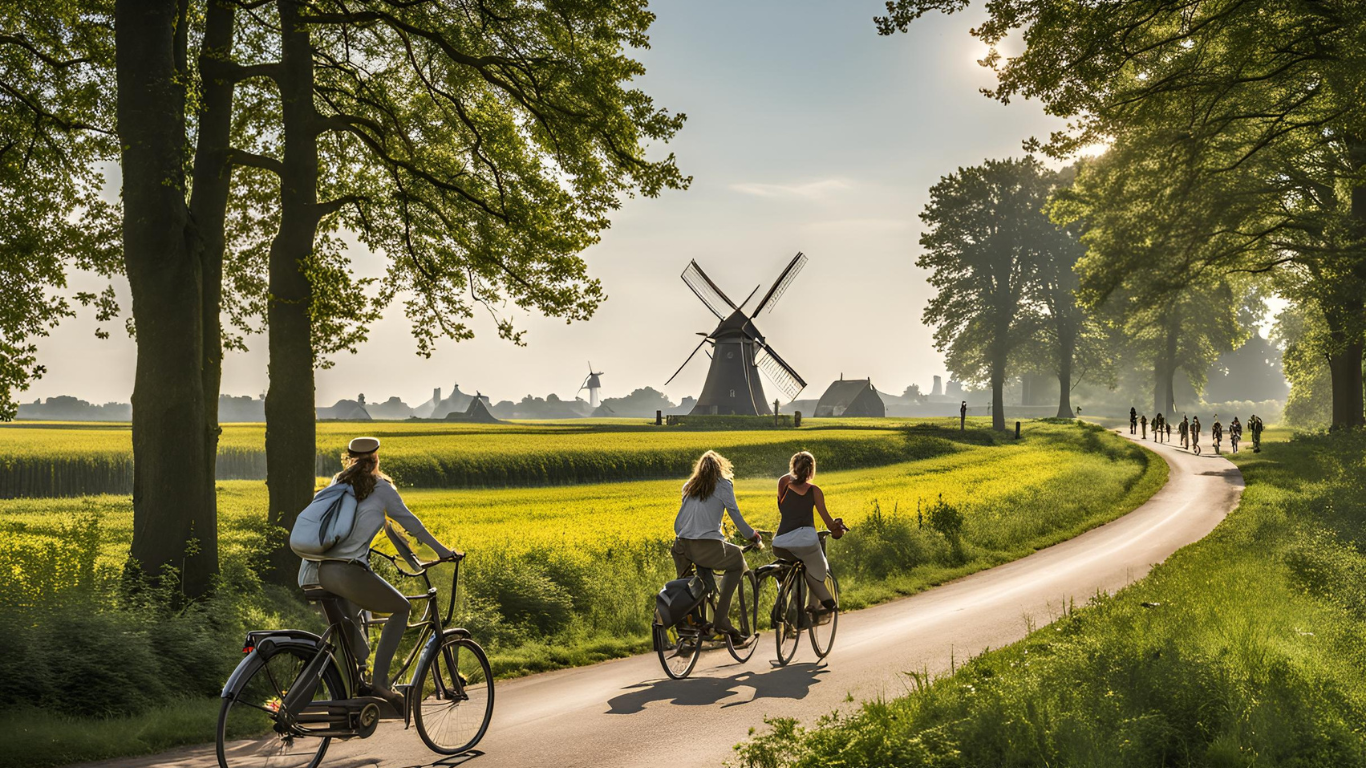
719, 556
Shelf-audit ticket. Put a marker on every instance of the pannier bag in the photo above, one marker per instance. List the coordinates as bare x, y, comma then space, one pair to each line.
677, 599
326, 520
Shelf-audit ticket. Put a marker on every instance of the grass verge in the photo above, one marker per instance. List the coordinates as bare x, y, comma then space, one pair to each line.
1242, 649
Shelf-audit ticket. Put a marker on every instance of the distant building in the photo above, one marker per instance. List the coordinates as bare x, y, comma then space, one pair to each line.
850, 397
345, 410
938, 387
476, 412
440, 408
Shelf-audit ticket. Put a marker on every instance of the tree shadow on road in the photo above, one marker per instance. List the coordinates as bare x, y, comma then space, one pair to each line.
793, 681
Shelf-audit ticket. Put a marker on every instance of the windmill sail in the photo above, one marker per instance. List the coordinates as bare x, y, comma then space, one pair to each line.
781, 285
717, 301
780, 373
685, 362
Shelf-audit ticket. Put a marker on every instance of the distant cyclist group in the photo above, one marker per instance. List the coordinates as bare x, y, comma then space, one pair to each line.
295, 691
1189, 431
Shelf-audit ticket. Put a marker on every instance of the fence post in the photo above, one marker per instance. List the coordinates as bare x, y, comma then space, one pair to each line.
797, 419
659, 418
1017, 430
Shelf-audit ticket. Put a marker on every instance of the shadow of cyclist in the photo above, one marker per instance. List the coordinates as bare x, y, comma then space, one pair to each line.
791, 682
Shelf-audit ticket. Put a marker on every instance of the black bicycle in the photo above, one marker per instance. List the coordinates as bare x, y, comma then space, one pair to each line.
296, 691
680, 646
792, 611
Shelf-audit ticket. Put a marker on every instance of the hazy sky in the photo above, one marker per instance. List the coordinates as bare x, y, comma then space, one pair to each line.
806, 132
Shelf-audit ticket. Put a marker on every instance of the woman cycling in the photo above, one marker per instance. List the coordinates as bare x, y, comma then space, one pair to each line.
707, 494
345, 569
797, 539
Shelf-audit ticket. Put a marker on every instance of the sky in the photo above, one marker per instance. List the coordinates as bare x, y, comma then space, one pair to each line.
806, 132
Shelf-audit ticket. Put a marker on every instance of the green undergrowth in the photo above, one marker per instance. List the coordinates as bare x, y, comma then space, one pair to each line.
555, 577
1243, 649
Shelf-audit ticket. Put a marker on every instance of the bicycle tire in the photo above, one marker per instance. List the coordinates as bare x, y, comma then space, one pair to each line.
791, 604
745, 608
678, 654
245, 737
823, 634
452, 715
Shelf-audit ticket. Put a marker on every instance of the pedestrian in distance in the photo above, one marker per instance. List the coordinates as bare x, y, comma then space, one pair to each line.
1168, 427
1185, 431
1235, 433
963, 416
1143, 423
1216, 431
1195, 435
1157, 428
1255, 423
1133, 420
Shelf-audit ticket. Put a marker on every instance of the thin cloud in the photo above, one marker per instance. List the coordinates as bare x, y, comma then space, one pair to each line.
866, 226
811, 190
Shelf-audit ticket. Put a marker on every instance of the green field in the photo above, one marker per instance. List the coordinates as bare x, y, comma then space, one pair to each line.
40, 459
1243, 649
555, 576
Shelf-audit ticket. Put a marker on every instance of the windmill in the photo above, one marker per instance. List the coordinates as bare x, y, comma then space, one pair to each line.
592, 384
739, 351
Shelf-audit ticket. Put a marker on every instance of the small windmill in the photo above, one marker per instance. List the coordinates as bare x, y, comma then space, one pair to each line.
592, 383
739, 350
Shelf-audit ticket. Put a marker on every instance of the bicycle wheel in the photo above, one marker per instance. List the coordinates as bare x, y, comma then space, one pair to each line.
678, 651
823, 630
454, 702
248, 735
791, 604
744, 616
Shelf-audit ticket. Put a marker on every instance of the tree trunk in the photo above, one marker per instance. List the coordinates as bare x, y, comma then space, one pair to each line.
172, 527
1344, 368
209, 208
1067, 343
290, 418
1164, 372
998, 382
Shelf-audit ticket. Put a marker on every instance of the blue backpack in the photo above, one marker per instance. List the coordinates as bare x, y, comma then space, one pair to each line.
326, 520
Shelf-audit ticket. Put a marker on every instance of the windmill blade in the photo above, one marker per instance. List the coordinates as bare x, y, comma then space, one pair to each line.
788, 381
715, 299
781, 285
685, 362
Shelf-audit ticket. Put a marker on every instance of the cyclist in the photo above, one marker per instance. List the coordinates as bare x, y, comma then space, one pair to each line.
1216, 431
345, 568
796, 538
1235, 433
1195, 434
708, 493
1184, 429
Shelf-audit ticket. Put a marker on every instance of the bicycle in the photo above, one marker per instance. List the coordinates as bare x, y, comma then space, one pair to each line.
790, 614
680, 646
296, 691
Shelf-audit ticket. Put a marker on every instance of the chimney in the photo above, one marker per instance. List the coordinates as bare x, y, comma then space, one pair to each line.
436, 395
938, 387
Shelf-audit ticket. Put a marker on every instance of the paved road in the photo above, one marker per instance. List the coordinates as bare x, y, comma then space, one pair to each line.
624, 713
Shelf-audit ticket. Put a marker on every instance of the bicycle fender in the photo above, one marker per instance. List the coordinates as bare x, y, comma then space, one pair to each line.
265, 648
765, 570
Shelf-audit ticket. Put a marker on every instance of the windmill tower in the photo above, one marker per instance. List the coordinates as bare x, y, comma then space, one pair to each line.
592, 383
739, 351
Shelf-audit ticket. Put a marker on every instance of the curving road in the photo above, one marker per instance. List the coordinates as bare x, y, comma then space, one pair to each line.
624, 713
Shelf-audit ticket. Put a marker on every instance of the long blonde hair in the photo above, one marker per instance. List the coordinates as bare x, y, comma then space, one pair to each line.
711, 467
802, 466
361, 472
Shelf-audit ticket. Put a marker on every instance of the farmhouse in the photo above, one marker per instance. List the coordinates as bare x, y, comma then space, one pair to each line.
345, 410
477, 412
851, 397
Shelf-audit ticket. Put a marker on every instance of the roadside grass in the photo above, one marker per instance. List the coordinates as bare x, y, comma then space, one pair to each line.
1242, 649
555, 577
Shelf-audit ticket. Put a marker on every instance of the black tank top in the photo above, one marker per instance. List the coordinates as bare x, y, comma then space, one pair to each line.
798, 510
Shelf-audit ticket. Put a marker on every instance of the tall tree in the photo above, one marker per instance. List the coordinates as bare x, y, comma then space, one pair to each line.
480, 147
171, 479
1262, 100
984, 228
